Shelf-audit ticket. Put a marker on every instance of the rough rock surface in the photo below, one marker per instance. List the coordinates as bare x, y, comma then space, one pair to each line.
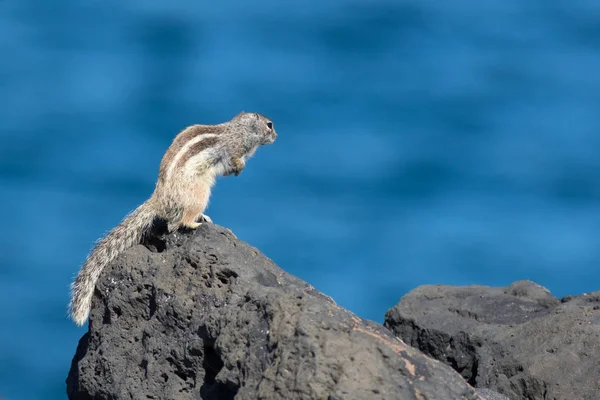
519, 341
489, 394
204, 315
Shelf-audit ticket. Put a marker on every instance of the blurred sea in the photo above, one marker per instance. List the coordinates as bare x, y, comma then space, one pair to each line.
419, 142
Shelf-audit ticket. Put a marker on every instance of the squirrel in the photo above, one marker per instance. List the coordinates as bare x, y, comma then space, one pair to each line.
187, 173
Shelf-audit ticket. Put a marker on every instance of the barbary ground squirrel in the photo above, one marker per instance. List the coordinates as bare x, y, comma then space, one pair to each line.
187, 172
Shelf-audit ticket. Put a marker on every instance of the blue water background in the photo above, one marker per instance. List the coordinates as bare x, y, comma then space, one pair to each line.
420, 142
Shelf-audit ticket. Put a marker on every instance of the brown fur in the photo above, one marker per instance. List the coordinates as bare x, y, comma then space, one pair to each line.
180, 140
195, 149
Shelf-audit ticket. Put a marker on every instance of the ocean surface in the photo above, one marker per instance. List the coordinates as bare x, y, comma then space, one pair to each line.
420, 142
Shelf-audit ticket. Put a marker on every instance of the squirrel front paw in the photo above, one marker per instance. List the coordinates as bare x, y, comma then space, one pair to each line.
238, 165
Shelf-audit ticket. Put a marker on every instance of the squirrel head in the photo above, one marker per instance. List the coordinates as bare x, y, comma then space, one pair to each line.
258, 125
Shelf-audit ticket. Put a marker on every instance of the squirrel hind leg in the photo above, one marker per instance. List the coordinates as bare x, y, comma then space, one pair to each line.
204, 218
190, 218
190, 225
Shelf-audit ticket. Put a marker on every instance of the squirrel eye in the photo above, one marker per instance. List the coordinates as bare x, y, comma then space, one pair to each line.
270, 125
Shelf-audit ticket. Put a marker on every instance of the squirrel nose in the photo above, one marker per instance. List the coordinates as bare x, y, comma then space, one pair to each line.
270, 138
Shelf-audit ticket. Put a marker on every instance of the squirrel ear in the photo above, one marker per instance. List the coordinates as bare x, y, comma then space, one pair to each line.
256, 116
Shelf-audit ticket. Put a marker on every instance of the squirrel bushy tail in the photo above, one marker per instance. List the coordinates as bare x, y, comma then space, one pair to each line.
127, 234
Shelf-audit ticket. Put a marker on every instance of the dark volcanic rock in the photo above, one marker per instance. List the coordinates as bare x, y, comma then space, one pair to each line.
489, 394
207, 316
519, 341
